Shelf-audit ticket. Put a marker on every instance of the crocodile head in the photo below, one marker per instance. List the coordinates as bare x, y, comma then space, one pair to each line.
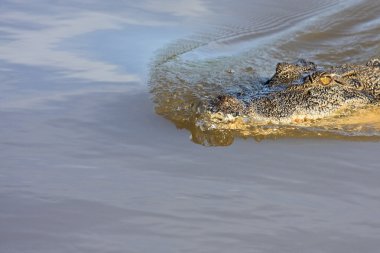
302, 91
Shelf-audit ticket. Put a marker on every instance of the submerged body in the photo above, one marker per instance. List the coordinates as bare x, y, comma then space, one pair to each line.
303, 91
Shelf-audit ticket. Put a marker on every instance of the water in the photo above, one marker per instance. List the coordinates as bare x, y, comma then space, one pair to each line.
88, 166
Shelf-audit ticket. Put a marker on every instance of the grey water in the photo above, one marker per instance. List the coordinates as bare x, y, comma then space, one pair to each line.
86, 165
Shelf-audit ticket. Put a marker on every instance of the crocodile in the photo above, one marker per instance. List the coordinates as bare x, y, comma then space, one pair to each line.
302, 91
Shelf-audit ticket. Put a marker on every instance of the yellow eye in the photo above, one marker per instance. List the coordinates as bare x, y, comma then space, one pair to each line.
325, 80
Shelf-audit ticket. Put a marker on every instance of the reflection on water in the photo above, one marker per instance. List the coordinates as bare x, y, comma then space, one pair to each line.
40, 46
51, 51
182, 80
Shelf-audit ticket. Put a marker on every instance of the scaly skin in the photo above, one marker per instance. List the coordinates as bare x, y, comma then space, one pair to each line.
303, 90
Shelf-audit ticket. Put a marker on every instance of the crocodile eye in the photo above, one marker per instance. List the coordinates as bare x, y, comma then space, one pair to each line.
325, 80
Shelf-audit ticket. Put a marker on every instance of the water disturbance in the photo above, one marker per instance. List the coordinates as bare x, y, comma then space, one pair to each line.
184, 76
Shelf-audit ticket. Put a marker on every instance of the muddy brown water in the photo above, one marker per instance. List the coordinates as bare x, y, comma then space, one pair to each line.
87, 164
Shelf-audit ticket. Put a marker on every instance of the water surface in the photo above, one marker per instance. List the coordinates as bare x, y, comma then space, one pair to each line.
88, 166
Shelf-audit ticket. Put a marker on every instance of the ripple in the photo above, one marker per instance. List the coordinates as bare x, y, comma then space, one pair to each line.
185, 74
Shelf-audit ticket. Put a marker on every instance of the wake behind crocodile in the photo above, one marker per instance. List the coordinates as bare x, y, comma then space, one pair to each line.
267, 93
